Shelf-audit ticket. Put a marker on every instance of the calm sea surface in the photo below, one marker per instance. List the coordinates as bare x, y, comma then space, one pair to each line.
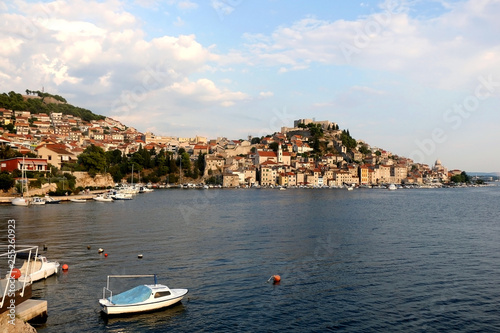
424, 260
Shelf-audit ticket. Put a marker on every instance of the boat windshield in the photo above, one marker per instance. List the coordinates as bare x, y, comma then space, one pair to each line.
132, 296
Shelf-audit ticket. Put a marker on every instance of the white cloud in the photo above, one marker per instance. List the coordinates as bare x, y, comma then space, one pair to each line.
266, 94
446, 51
187, 5
97, 49
204, 90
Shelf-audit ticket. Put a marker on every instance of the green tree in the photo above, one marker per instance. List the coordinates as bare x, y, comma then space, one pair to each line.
274, 146
200, 163
93, 159
255, 141
364, 150
461, 178
6, 181
347, 140
114, 157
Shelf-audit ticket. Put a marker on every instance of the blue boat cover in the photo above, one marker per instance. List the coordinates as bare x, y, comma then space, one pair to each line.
131, 296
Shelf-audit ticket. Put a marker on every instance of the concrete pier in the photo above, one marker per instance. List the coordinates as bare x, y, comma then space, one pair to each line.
32, 310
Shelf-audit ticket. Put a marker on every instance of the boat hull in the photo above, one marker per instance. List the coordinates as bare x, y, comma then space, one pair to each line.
103, 199
20, 202
146, 306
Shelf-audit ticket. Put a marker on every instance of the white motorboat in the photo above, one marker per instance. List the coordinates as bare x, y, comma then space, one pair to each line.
392, 187
146, 297
122, 196
37, 201
78, 200
103, 198
36, 267
144, 189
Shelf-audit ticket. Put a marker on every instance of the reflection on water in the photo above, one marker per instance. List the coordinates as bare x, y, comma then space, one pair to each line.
363, 260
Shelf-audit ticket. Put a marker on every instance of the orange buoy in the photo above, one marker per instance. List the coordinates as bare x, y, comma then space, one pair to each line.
16, 273
105, 254
275, 278
65, 267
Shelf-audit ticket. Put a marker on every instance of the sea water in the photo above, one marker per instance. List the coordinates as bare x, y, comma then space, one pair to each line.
368, 260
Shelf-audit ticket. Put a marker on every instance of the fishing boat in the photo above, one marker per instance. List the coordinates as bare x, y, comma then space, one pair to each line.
142, 298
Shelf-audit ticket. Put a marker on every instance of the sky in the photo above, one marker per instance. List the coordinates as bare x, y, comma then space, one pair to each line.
419, 78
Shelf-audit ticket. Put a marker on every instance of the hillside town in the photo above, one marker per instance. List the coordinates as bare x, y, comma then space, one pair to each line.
286, 158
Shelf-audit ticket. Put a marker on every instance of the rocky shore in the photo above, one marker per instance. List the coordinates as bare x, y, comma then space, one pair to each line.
18, 326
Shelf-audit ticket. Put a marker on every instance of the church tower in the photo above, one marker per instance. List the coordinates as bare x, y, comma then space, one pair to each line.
280, 154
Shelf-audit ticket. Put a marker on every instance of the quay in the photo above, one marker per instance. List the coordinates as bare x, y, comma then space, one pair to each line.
7, 200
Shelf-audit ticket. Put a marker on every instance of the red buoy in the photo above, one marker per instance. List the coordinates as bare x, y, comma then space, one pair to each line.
105, 254
65, 267
276, 278
16, 273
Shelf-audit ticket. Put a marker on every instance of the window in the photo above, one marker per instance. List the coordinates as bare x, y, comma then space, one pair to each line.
49, 157
162, 294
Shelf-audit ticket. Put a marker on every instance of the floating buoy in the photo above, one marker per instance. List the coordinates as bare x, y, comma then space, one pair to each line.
45, 247
139, 256
101, 250
88, 247
65, 267
105, 254
275, 279
16, 273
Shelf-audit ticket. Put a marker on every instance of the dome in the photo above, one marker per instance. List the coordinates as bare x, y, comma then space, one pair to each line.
438, 162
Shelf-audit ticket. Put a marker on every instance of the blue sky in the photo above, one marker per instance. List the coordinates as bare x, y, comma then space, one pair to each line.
419, 78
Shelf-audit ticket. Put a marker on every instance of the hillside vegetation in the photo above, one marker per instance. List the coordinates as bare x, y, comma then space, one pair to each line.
42, 102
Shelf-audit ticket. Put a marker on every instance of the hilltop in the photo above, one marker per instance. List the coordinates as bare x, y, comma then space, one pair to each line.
40, 102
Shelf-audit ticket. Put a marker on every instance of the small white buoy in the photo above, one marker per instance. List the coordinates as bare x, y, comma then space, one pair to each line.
101, 250
139, 256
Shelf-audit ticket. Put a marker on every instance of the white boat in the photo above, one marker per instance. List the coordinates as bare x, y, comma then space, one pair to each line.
20, 201
103, 198
391, 187
146, 297
78, 200
36, 267
144, 189
37, 201
122, 196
